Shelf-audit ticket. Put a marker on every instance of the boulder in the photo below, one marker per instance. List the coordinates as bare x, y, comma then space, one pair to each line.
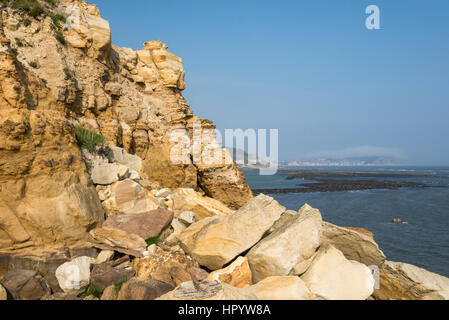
25, 285
216, 241
237, 274
3, 294
109, 294
401, 281
74, 275
208, 290
129, 197
281, 288
104, 278
171, 267
104, 174
333, 277
146, 225
122, 157
362, 231
143, 289
354, 245
289, 245
118, 240
182, 200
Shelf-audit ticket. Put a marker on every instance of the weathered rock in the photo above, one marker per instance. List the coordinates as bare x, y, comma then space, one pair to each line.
104, 256
289, 245
25, 285
146, 225
333, 277
362, 231
237, 274
354, 245
281, 288
401, 281
215, 241
182, 200
143, 289
3, 294
104, 174
208, 290
110, 293
167, 266
120, 156
105, 278
187, 217
197, 274
129, 197
119, 240
61, 296
74, 275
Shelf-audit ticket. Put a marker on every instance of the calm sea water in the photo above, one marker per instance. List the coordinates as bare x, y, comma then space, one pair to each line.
424, 242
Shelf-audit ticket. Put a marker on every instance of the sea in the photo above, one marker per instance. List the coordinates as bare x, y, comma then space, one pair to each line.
423, 242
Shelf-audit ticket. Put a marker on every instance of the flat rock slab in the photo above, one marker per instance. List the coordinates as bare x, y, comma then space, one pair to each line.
146, 225
25, 285
140, 289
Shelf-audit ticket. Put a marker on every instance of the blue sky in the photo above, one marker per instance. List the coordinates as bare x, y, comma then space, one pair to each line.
309, 68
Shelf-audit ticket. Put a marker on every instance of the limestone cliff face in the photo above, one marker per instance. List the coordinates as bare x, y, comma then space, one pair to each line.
54, 75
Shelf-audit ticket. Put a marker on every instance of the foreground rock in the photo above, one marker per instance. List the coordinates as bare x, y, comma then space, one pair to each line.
143, 289
401, 281
129, 197
74, 275
289, 245
354, 245
182, 200
104, 276
104, 174
215, 241
208, 290
25, 285
281, 288
172, 267
146, 225
118, 240
333, 277
237, 274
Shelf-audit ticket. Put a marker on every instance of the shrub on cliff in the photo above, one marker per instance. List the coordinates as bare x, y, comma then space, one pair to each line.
87, 139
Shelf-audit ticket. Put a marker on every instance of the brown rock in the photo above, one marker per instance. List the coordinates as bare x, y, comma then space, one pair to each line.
168, 266
119, 240
146, 225
110, 293
362, 231
143, 289
105, 278
237, 274
25, 285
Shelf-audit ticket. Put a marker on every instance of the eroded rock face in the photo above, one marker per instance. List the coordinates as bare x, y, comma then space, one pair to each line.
133, 98
401, 281
354, 245
289, 245
237, 274
215, 241
333, 277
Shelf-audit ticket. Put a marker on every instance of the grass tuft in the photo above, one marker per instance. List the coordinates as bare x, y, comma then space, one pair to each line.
87, 139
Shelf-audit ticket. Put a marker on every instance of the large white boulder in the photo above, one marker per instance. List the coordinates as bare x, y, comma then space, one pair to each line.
74, 275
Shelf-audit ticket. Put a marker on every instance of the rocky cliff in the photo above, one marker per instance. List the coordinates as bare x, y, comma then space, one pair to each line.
58, 70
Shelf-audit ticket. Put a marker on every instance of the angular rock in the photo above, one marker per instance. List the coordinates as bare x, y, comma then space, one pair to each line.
182, 200
187, 217
237, 274
104, 256
167, 266
110, 293
120, 156
289, 245
208, 290
146, 225
143, 289
333, 277
105, 278
104, 174
401, 281
119, 240
25, 285
215, 241
74, 275
129, 197
354, 245
281, 288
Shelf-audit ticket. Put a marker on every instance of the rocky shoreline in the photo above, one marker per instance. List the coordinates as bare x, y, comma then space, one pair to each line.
93, 208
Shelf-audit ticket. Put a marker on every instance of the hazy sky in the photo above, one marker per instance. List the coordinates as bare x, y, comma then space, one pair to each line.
309, 68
